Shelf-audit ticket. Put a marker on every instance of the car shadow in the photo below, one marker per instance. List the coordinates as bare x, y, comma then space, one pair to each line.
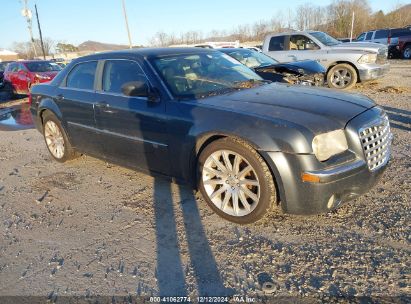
399, 118
171, 274
183, 249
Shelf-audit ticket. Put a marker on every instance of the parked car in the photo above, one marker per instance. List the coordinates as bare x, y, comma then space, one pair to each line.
20, 76
199, 116
3, 65
400, 45
346, 63
383, 36
305, 72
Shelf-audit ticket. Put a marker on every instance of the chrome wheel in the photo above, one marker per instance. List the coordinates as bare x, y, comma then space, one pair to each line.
341, 78
231, 183
407, 53
54, 139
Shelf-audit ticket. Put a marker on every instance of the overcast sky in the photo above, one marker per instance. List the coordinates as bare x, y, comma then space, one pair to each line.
75, 21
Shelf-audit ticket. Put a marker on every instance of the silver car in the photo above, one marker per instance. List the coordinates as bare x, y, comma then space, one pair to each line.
346, 63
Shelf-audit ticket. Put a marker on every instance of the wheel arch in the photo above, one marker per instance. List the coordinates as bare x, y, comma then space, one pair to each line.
343, 62
207, 139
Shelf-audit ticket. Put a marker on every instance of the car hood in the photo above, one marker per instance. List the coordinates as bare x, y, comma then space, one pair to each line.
317, 109
361, 46
298, 67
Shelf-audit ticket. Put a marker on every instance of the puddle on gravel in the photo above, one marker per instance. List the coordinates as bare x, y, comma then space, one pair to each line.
16, 118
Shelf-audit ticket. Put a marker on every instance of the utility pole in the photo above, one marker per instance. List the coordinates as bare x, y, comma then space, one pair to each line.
128, 30
352, 25
25, 12
41, 36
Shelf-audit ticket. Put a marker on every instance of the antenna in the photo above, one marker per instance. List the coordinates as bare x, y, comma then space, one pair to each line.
25, 12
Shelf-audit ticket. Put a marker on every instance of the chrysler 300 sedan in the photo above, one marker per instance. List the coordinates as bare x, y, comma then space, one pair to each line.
199, 116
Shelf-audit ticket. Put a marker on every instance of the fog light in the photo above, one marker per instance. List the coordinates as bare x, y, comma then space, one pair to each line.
330, 203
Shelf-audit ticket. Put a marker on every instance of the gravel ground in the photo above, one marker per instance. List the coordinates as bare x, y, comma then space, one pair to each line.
87, 228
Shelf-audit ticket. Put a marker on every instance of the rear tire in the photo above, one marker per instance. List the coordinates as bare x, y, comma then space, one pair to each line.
406, 54
342, 76
235, 181
56, 139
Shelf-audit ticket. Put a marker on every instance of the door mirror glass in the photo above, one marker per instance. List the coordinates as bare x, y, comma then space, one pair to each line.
135, 89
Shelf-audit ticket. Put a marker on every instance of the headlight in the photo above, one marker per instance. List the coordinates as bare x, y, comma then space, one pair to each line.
328, 144
368, 58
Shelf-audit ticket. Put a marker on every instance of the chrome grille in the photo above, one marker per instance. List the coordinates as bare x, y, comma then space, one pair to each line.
376, 143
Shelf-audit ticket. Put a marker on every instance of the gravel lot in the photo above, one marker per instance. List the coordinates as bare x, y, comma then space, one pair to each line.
88, 228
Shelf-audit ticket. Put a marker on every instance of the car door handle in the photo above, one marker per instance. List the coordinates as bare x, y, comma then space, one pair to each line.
60, 97
105, 107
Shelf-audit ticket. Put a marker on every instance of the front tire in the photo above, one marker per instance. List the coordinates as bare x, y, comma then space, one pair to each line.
56, 139
342, 76
235, 181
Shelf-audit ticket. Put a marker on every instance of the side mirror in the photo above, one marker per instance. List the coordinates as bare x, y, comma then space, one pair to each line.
135, 89
140, 89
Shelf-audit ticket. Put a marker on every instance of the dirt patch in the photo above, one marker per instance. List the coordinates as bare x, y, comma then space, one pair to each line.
392, 89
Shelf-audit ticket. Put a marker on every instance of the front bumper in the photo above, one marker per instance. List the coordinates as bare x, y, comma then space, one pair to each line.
372, 71
339, 180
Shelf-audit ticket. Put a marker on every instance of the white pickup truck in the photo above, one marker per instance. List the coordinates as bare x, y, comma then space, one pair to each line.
346, 63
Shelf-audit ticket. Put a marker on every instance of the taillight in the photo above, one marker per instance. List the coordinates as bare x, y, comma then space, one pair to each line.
30, 99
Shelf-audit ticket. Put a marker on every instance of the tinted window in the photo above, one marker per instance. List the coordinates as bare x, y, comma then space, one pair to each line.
369, 35
276, 43
381, 34
302, 43
401, 33
82, 76
119, 72
42, 66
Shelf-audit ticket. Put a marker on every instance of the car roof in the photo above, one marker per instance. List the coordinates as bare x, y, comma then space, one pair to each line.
224, 50
146, 52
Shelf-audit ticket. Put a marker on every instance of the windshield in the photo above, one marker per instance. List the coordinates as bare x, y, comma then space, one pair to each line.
252, 59
196, 76
325, 38
42, 66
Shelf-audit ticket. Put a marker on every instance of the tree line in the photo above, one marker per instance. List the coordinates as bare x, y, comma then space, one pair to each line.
335, 19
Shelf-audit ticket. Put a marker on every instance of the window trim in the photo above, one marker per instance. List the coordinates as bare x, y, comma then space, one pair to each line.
309, 38
100, 73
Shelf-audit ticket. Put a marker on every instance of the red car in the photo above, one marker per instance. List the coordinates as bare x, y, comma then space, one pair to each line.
21, 75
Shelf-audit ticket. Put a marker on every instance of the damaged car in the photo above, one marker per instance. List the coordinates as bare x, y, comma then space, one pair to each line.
199, 116
304, 72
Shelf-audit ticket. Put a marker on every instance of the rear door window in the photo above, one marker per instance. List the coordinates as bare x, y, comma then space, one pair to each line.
277, 43
381, 34
368, 36
119, 72
82, 76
